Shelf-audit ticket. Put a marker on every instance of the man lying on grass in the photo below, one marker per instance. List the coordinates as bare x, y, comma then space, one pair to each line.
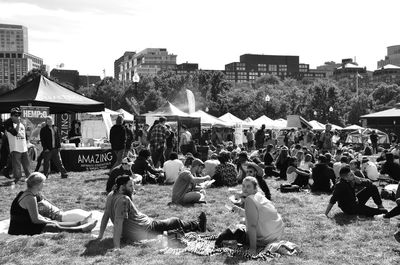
132, 225
349, 201
263, 223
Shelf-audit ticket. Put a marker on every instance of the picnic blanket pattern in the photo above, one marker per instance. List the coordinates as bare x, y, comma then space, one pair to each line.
204, 245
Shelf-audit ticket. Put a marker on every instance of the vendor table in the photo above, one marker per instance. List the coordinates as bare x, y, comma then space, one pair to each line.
87, 158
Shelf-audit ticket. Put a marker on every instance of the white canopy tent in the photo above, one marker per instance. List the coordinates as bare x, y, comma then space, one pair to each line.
279, 124
97, 125
230, 118
127, 116
316, 125
353, 127
209, 120
263, 120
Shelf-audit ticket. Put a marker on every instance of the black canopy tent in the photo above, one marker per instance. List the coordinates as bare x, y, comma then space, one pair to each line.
41, 91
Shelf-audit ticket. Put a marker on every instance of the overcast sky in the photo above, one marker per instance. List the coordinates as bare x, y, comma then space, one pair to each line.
88, 35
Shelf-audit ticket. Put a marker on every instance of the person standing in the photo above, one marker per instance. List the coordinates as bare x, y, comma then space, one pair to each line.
250, 139
326, 139
169, 142
129, 138
51, 147
118, 140
374, 141
158, 135
16, 135
75, 135
260, 137
185, 141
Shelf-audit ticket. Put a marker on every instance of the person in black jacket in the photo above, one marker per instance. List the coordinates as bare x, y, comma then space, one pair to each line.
260, 137
118, 140
50, 140
322, 176
142, 167
349, 201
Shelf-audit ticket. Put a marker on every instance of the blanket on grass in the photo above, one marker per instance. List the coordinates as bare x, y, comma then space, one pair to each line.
4, 224
204, 245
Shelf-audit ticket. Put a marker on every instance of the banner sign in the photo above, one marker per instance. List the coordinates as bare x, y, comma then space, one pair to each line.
32, 118
63, 123
87, 159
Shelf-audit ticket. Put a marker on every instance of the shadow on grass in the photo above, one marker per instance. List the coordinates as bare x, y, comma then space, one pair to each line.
95, 179
234, 260
346, 219
6, 183
98, 247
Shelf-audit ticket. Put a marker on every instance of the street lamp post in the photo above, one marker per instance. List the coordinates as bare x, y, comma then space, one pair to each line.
267, 99
136, 79
330, 112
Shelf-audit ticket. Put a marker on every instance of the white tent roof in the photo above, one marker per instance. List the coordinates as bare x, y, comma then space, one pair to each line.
228, 117
127, 115
279, 124
263, 120
248, 120
207, 119
108, 111
353, 127
336, 127
316, 125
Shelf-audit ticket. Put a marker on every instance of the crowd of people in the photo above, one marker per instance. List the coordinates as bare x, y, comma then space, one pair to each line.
311, 162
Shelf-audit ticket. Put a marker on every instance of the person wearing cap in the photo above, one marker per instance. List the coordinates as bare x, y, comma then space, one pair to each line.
323, 177
50, 139
132, 225
350, 202
369, 169
184, 190
264, 225
16, 135
253, 170
123, 169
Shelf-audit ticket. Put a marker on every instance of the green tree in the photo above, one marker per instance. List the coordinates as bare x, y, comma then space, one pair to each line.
386, 96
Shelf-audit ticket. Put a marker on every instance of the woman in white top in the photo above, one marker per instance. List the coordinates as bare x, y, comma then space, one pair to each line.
263, 223
295, 175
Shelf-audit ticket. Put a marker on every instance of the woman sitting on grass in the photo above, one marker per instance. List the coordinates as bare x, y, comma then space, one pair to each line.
295, 175
225, 173
25, 217
263, 223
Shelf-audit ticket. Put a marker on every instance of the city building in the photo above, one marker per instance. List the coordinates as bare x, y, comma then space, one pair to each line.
15, 61
388, 74
392, 57
252, 66
328, 68
184, 68
147, 62
121, 65
350, 70
73, 79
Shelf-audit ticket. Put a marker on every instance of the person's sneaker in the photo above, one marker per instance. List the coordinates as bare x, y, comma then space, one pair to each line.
397, 236
202, 222
382, 217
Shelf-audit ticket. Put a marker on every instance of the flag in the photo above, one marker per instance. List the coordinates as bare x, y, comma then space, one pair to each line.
191, 101
132, 102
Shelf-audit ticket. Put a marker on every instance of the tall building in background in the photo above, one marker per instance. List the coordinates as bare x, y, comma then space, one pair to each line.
73, 79
147, 62
15, 61
252, 66
392, 57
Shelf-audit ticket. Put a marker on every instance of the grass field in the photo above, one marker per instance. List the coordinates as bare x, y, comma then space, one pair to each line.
340, 240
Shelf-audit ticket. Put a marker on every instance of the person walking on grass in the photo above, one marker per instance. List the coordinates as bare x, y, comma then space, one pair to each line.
130, 224
158, 136
350, 202
51, 148
118, 140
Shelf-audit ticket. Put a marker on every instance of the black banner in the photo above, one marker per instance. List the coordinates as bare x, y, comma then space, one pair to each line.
63, 123
87, 159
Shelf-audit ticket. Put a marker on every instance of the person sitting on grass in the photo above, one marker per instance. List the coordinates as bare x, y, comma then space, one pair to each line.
185, 189
253, 170
26, 219
123, 169
295, 175
323, 177
132, 225
350, 202
391, 168
225, 173
143, 167
263, 223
